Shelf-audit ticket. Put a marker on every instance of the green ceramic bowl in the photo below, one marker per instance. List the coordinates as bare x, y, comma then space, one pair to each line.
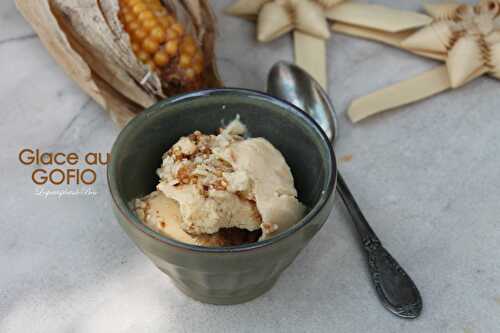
227, 275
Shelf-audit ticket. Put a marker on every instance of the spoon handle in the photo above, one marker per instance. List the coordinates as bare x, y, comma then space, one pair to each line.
395, 288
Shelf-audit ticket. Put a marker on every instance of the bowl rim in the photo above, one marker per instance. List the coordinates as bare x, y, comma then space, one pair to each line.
126, 212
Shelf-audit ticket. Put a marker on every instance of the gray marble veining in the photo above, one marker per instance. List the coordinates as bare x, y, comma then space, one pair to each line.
426, 176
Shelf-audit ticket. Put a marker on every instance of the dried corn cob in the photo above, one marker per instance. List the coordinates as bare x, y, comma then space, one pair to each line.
88, 38
161, 42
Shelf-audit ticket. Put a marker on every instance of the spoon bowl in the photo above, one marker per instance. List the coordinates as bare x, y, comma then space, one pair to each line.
289, 82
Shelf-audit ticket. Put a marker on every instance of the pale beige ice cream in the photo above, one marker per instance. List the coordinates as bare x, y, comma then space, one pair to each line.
163, 216
270, 183
222, 182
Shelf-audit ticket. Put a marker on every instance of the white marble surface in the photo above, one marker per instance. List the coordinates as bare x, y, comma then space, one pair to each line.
427, 177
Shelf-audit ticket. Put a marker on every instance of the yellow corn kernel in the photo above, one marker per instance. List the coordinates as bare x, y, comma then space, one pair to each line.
139, 35
188, 46
125, 10
161, 58
139, 8
150, 24
164, 21
158, 34
171, 47
132, 26
131, 3
143, 56
136, 47
184, 60
150, 46
128, 18
171, 34
178, 28
146, 15
159, 10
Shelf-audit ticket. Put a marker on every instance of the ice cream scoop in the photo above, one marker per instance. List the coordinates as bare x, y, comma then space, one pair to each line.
226, 181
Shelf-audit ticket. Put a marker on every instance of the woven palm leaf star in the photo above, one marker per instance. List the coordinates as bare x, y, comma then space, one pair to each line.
467, 36
278, 17
306, 18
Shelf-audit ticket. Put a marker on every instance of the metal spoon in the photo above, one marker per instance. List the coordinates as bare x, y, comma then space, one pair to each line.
395, 288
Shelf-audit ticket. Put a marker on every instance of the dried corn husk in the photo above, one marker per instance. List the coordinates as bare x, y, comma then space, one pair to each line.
88, 41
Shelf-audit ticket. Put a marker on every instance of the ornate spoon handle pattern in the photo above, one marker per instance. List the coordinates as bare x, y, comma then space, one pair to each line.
396, 290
